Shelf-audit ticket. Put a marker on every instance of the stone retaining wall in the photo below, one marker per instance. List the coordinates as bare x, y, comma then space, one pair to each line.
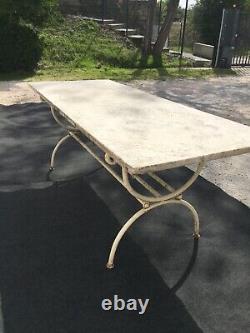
203, 50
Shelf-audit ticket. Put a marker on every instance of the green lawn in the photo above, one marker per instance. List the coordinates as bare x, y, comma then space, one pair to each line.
79, 49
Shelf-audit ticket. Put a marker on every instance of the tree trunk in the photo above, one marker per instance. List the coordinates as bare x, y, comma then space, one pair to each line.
149, 26
165, 30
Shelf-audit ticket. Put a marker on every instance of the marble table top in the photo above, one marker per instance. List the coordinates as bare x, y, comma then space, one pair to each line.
143, 131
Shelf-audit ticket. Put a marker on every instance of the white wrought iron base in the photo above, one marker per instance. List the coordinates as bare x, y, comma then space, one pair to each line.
135, 217
168, 195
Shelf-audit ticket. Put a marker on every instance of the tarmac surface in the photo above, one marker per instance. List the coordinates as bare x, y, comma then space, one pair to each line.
55, 234
227, 97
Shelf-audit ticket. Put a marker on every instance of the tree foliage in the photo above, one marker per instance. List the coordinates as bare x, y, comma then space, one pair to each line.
30, 11
207, 15
19, 43
20, 47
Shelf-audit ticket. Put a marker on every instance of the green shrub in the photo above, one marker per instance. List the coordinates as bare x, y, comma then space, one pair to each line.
20, 47
30, 11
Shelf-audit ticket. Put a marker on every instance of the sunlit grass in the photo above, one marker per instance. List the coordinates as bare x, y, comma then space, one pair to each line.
80, 49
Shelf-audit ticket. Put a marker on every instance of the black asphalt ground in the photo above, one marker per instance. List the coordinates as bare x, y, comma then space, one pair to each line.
55, 236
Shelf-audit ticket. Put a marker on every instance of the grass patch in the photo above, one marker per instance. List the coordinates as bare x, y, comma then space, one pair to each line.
79, 49
76, 43
115, 73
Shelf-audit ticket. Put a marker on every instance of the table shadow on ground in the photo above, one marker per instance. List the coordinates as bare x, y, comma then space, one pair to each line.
28, 134
54, 241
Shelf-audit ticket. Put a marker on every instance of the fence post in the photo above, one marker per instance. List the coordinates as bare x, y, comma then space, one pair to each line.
226, 42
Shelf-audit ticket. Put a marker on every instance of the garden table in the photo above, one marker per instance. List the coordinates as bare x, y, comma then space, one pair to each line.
137, 135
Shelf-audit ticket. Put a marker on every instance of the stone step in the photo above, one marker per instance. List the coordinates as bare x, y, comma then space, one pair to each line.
125, 31
174, 53
116, 25
136, 37
98, 20
197, 61
107, 21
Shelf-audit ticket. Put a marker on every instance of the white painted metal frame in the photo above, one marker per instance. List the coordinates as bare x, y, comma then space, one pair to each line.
153, 200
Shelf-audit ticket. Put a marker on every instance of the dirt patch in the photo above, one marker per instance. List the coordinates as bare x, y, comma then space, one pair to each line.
15, 92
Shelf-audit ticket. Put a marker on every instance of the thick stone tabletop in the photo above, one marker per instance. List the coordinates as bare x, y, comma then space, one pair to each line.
143, 131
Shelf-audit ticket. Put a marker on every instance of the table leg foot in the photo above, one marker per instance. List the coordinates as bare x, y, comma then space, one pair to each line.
109, 265
196, 236
51, 169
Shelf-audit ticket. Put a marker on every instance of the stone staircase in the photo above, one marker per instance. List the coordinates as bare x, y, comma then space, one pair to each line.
120, 28
132, 34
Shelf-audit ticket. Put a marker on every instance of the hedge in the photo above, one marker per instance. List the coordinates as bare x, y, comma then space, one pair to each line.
20, 48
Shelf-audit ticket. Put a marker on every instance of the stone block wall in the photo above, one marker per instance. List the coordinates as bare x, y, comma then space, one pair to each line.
203, 50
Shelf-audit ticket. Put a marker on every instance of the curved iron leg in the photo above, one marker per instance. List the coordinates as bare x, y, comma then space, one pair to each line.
196, 221
129, 223
167, 197
67, 127
61, 141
